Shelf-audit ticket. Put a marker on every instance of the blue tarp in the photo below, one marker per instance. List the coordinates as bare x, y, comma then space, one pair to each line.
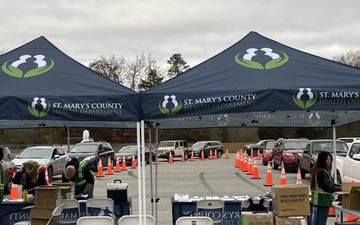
257, 82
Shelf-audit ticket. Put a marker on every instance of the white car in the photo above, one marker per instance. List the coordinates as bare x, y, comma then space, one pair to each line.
349, 140
351, 162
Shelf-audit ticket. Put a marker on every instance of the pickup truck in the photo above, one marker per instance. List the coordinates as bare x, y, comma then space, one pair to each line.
352, 163
308, 157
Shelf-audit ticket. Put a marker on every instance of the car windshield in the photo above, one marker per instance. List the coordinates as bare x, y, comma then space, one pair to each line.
293, 145
38, 153
327, 146
128, 149
199, 144
84, 148
167, 144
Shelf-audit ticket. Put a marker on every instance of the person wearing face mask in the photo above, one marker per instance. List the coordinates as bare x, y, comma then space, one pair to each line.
30, 175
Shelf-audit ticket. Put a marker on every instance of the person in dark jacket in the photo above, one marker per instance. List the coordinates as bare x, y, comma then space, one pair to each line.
322, 186
80, 174
30, 175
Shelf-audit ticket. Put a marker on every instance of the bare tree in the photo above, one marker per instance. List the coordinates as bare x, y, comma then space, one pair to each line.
351, 58
112, 67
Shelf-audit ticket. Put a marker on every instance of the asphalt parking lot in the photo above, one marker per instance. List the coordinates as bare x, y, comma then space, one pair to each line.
197, 178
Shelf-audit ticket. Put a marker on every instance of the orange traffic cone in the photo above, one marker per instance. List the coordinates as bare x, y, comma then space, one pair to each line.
269, 179
100, 172
240, 160
255, 174
211, 155
117, 165
182, 157
250, 170
237, 157
251, 153
215, 154
258, 156
351, 218
133, 162
227, 154
331, 212
14, 192
109, 170
245, 164
192, 156
47, 182
202, 156
282, 175
170, 158
123, 164
298, 176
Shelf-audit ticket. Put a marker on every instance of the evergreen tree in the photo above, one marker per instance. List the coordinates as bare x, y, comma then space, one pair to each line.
177, 65
151, 80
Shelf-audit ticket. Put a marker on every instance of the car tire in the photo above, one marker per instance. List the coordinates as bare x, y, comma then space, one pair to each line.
50, 172
275, 166
219, 154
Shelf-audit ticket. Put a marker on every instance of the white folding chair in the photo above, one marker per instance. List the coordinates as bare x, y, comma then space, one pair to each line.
72, 207
95, 220
194, 220
100, 207
215, 206
55, 213
134, 219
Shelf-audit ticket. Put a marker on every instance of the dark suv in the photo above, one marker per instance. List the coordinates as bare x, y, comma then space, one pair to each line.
92, 152
258, 147
206, 146
286, 152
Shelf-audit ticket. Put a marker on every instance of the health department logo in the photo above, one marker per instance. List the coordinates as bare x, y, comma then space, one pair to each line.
247, 61
314, 119
39, 107
223, 120
42, 66
304, 98
170, 105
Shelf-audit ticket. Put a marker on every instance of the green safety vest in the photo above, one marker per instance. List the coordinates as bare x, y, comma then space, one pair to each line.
319, 197
80, 180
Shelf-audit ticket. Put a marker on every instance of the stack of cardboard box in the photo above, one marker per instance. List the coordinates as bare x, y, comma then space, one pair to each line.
291, 205
67, 190
45, 201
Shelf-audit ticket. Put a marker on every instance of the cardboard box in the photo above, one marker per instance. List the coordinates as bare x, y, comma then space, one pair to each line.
117, 191
290, 200
42, 216
67, 190
350, 195
46, 197
255, 218
293, 220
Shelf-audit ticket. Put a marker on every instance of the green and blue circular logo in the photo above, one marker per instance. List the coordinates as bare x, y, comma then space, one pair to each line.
39, 107
223, 120
13, 69
314, 119
170, 105
304, 98
276, 59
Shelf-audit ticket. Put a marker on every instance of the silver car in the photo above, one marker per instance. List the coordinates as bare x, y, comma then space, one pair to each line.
53, 157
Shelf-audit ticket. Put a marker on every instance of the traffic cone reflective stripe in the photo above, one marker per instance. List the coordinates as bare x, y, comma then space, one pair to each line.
202, 156
237, 157
170, 158
192, 156
258, 156
240, 159
133, 162
298, 176
227, 154
100, 172
123, 164
182, 157
249, 169
109, 170
282, 175
211, 155
215, 154
268, 179
251, 153
255, 174
14, 192
117, 165
47, 182
245, 164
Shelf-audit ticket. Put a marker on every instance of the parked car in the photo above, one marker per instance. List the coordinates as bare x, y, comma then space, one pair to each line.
53, 157
308, 157
130, 151
285, 152
256, 147
349, 140
92, 152
267, 152
206, 147
176, 147
352, 163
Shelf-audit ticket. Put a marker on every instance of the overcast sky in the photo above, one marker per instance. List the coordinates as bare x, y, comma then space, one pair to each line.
197, 29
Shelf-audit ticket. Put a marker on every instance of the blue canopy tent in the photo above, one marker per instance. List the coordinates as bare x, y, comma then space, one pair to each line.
42, 86
257, 82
